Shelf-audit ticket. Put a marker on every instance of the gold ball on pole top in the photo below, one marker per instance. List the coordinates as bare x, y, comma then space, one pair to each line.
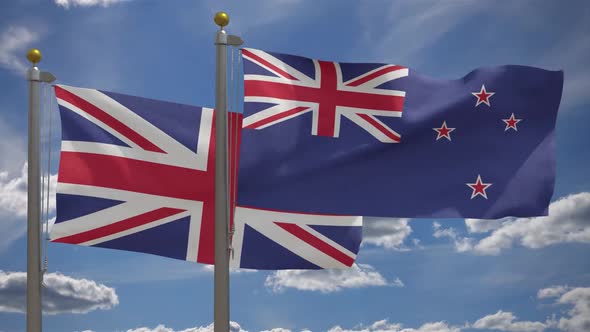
221, 19
34, 55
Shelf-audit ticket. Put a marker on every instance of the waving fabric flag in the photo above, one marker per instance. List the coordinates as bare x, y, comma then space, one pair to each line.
383, 140
138, 174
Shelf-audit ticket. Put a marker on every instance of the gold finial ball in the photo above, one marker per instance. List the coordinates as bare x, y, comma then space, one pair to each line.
221, 19
34, 55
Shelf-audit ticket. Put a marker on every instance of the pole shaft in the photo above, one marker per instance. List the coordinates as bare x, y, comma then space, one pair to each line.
34, 317
221, 271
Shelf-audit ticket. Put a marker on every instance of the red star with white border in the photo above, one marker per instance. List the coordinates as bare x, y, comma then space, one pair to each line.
443, 131
511, 122
479, 188
483, 97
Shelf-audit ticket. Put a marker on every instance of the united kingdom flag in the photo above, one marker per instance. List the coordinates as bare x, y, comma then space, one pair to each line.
279, 87
129, 178
138, 174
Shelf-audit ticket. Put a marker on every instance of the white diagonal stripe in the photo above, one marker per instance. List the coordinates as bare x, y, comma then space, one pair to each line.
296, 245
271, 111
278, 63
378, 134
94, 120
375, 82
265, 79
137, 124
344, 110
329, 241
99, 219
249, 214
374, 91
127, 196
137, 229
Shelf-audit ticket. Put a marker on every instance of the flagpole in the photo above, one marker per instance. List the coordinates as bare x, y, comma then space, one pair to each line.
34, 200
34, 275
221, 270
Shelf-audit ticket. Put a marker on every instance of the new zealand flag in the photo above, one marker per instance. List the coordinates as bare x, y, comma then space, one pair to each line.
383, 140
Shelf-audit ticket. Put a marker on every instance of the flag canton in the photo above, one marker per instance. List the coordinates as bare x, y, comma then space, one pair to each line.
279, 88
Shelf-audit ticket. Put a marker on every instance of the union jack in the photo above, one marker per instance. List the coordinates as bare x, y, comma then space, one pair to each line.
278, 80
138, 174
140, 178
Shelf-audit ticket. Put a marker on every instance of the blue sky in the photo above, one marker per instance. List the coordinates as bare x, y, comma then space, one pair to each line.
412, 275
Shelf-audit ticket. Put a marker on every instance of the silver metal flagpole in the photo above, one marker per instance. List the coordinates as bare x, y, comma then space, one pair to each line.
221, 271
35, 78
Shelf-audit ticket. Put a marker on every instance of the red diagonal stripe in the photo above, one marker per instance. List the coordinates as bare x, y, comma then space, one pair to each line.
317, 243
119, 226
374, 75
379, 127
276, 117
106, 119
268, 64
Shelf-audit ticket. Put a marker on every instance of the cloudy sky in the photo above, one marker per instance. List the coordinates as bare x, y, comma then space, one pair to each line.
527, 274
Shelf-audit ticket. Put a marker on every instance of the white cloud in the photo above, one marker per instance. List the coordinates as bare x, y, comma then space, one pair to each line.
482, 225
13, 205
13, 44
327, 281
577, 319
378, 326
506, 321
86, 3
554, 291
233, 327
434, 327
389, 233
12, 143
462, 244
440, 232
13, 194
568, 222
385, 326
61, 294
